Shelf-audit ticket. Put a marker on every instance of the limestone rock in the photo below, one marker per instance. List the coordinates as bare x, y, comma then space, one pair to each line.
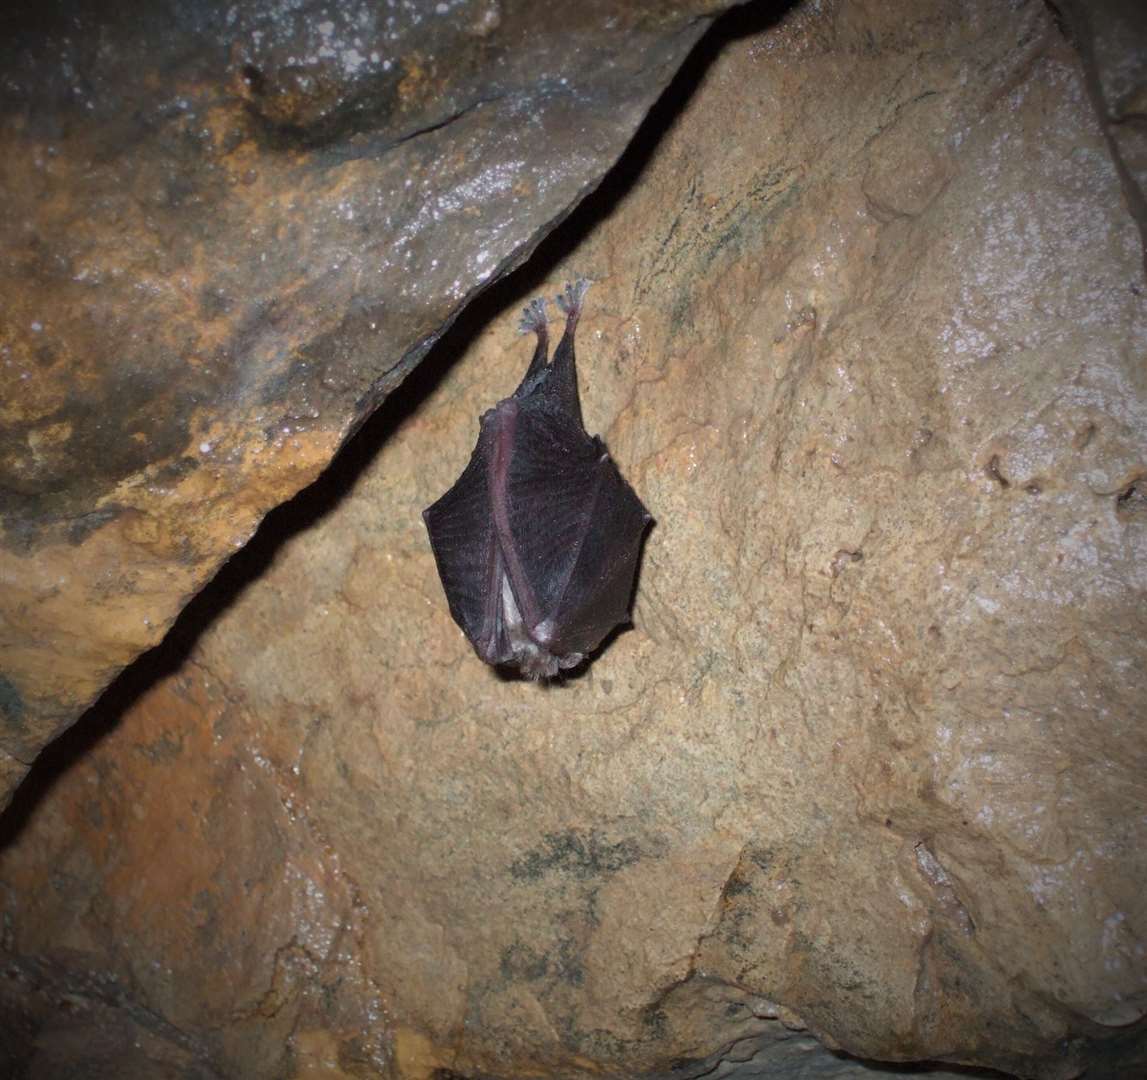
229, 230
867, 776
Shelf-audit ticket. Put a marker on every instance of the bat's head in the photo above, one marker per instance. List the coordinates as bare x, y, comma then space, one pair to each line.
537, 664
530, 652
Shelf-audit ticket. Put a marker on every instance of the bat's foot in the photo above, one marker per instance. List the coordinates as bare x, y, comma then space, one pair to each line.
570, 299
533, 317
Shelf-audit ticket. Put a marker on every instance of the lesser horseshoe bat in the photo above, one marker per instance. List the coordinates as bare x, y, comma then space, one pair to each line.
538, 541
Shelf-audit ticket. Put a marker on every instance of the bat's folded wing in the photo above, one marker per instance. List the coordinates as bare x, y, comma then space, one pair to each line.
550, 494
600, 587
465, 548
576, 530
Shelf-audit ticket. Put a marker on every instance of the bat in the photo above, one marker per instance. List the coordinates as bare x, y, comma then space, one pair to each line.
538, 541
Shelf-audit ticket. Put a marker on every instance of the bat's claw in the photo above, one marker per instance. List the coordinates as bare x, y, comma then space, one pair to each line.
533, 317
569, 300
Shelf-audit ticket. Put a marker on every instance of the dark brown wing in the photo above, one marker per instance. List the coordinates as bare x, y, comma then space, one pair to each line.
599, 589
550, 492
575, 529
465, 548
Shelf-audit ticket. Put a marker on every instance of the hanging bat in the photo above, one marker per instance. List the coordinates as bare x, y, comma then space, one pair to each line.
537, 543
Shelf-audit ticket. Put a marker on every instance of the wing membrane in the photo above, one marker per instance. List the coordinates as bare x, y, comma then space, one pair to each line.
465, 548
551, 491
600, 585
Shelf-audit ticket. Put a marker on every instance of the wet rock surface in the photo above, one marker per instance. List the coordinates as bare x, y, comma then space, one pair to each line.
866, 776
229, 231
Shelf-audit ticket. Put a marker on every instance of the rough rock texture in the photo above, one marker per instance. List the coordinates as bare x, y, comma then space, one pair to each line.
1112, 37
229, 229
868, 338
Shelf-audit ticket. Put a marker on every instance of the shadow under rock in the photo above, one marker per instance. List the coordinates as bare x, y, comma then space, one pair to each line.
314, 502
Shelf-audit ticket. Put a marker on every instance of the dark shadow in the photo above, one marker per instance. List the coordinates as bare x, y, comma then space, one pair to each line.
921, 1069
313, 503
1074, 21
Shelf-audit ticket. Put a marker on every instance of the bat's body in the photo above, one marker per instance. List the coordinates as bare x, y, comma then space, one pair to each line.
537, 543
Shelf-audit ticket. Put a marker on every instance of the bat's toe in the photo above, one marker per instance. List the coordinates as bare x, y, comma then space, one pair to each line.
533, 316
570, 299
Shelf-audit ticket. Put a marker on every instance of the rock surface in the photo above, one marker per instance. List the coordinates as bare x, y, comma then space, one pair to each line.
867, 337
229, 230
1112, 37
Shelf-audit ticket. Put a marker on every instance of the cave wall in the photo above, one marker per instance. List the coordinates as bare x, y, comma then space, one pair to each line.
866, 777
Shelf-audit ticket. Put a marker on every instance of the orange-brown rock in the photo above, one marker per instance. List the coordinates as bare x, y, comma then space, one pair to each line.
867, 336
